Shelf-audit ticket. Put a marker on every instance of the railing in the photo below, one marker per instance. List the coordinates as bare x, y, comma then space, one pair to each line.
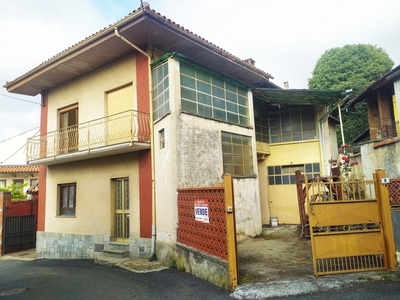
126, 127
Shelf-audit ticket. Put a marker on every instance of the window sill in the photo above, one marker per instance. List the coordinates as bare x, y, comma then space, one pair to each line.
61, 216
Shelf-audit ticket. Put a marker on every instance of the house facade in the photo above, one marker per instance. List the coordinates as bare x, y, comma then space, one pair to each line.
23, 175
379, 145
126, 122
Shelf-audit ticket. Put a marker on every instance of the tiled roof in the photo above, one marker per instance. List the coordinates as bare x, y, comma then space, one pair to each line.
19, 169
160, 17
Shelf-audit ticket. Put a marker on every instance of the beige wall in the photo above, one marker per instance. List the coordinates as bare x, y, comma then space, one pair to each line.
89, 91
94, 207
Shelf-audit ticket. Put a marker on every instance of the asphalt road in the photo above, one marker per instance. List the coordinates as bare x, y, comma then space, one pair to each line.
82, 279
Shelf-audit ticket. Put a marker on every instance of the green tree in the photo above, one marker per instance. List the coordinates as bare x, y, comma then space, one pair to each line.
350, 67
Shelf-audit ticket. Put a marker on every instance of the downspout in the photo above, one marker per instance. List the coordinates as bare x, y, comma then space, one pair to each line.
153, 202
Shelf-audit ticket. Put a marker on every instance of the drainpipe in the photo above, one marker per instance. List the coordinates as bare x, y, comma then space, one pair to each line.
153, 202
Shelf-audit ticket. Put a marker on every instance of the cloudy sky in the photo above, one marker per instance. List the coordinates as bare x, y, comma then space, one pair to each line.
285, 38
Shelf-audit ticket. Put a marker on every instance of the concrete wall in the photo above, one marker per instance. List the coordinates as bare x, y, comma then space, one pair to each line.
192, 261
385, 157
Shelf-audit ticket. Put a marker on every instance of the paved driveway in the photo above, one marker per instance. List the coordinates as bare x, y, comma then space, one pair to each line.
82, 279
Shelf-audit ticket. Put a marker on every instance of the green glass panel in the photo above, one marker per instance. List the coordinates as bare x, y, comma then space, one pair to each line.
203, 98
217, 92
236, 139
243, 111
247, 150
237, 149
187, 69
188, 94
231, 97
226, 137
218, 103
219, 114
248, 161
189, 106
217, 81
232, 118
205, 111
203, 76
228, 159
245, 121
238, 170
226, 148
230, 86
231, 107
188, 82
203, 87
242, 100
248, 171
242, 91
228, 169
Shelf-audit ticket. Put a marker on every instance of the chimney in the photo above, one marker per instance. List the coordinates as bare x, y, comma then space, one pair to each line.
286, 85
250, 62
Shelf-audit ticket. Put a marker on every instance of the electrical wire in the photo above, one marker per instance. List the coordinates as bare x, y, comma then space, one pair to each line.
20, 134
19, 148
19, 99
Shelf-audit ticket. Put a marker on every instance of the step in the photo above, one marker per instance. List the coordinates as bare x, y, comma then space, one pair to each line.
116, 253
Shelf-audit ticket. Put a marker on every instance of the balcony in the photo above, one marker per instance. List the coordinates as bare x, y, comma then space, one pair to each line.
128, 131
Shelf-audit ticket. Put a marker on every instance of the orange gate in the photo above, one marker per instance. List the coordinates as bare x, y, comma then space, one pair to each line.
349, 225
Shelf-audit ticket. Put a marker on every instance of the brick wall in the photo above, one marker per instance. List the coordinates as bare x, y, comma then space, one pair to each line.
42, 169
145, 180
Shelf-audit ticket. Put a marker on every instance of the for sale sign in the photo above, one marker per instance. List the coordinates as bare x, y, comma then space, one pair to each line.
201, 210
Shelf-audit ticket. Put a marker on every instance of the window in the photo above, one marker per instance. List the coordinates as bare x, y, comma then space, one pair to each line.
160, 91
286, 174
161, 137
237, 154
209, 95
67, 199
3, 183
34, 182
284, 123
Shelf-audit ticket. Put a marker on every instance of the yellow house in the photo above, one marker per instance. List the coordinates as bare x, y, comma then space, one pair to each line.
23, 175
144, 107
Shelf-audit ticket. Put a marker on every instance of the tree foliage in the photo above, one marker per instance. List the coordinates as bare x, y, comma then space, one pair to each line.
350, 67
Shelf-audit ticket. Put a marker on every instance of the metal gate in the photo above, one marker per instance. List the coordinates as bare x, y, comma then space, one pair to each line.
20, 225
345, 225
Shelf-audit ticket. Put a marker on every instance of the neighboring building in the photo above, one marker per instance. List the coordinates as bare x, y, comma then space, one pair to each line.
24, 175
379, 145
112, 160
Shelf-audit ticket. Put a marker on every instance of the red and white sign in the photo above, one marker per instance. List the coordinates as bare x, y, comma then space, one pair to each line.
201, 210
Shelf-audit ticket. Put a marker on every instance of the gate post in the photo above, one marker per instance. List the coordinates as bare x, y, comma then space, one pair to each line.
231, 232
4, 196
387, 225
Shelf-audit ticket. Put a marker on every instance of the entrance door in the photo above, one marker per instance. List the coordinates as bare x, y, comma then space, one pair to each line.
122, 210
69, 129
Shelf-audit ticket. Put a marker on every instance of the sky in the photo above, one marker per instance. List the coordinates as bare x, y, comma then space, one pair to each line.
285, 38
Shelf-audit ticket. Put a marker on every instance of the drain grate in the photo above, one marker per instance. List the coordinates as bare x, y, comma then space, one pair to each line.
12, 292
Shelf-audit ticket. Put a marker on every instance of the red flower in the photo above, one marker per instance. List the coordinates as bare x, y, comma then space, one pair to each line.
346, 159
356, 163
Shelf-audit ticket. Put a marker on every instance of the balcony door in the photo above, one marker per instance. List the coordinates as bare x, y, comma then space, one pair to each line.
119, 124
68, 139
